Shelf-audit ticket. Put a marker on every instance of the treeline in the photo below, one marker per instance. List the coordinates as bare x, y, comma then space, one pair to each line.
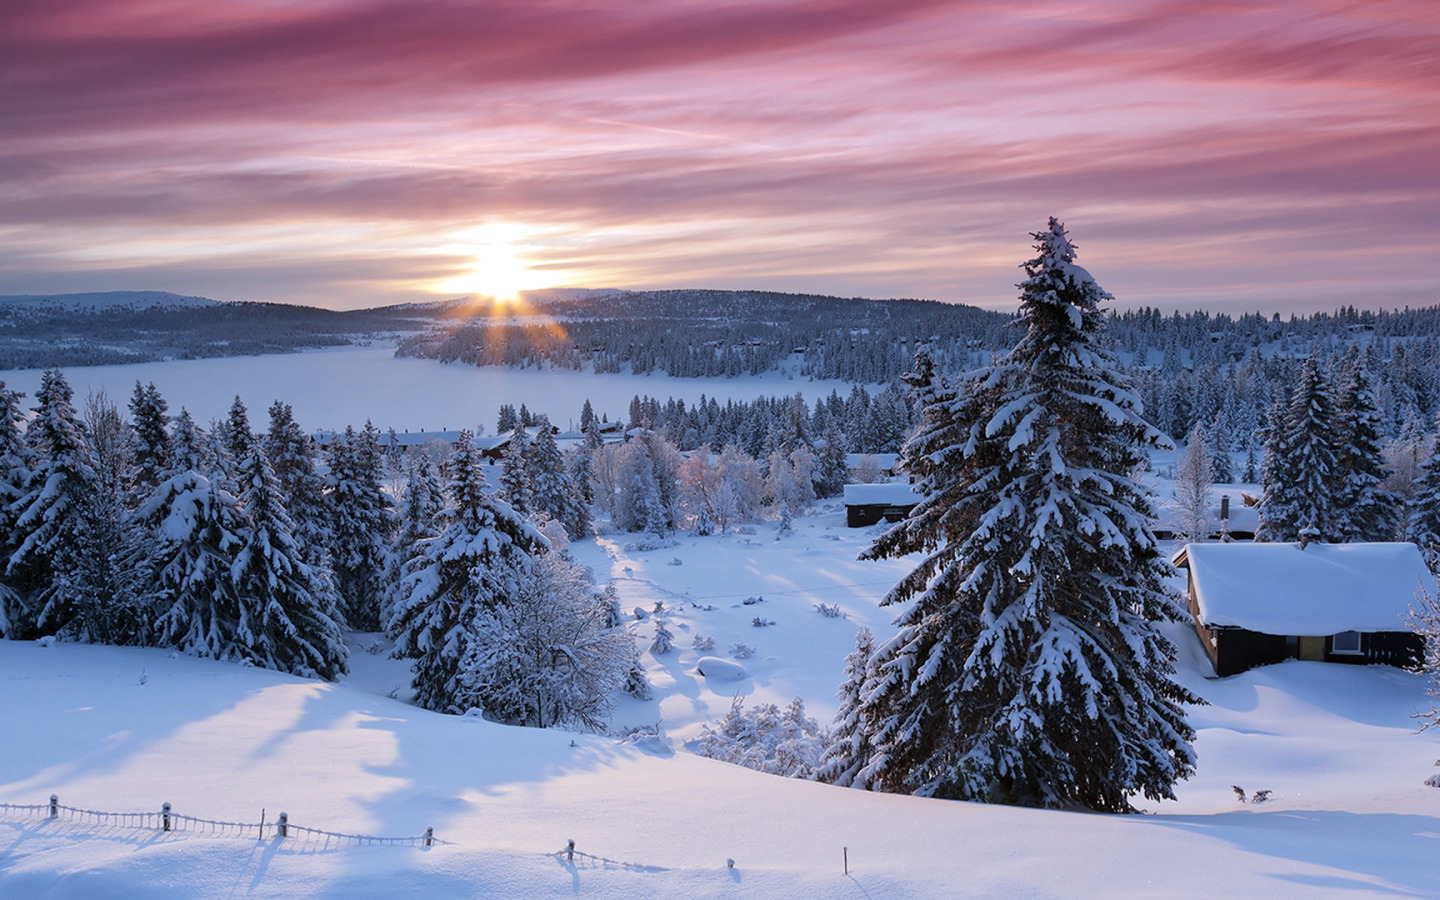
713, 334
55, 337
263, 547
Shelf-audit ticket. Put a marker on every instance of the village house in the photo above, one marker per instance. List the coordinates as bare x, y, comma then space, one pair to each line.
1255, 604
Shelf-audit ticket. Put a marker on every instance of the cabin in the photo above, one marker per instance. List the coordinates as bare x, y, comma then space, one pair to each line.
866, 504
1256, 604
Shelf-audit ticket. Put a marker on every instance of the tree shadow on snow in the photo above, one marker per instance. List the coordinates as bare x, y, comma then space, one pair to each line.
1383, 852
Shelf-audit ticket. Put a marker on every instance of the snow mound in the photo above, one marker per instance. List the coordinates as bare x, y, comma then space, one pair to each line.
720, 669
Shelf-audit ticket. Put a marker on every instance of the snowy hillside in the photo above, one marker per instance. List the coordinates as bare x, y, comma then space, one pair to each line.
127, 729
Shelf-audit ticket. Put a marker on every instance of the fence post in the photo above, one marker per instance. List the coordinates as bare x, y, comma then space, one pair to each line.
54, 806
283, 824
570, 851
429, 835
165, 816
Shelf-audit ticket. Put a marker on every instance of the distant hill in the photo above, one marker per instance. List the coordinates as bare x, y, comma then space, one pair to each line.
106, 300
64, 330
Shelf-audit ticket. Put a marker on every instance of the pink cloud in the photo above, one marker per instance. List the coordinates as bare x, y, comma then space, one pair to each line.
900, 149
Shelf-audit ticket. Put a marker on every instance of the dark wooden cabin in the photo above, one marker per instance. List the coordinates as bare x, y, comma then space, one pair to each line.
1255, 604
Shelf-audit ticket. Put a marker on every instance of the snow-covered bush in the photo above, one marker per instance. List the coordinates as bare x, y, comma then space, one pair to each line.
546, 658
766, 738
830, 610
1425, 621
742, 651
702, 642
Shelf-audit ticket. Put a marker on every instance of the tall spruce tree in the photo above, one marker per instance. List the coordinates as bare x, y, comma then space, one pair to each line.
1030, 668
484, 558
849, 751
191, 529
1301, 464
15, 459
151, 426
288, 619
54, 520
422, 500
1363, 509
552, 490
292, 456
362, 523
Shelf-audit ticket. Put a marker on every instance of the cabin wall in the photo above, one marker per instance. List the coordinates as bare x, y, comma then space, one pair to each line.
1238, 650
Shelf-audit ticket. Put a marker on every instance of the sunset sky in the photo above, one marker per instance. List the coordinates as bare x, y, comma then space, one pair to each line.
1233, 156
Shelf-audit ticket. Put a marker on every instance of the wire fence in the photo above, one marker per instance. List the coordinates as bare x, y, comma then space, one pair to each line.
169, 821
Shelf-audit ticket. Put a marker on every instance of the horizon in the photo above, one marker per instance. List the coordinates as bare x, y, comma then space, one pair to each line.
357, 154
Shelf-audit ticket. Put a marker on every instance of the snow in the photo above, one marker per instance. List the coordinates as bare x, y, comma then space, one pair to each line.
332, 388
891, 494
1323, 589
126, 729
714, 667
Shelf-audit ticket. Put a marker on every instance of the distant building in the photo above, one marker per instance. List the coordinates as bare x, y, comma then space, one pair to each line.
1255, 604
866, 504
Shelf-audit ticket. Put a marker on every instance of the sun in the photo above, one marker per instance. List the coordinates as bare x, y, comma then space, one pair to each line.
498, 269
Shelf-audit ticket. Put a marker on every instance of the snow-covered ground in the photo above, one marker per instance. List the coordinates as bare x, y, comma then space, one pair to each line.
332, 388
128, 729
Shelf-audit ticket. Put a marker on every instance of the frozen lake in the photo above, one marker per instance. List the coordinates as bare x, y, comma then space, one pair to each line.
345, 386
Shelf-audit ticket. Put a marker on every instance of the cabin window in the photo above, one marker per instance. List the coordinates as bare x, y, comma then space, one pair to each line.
1345, 642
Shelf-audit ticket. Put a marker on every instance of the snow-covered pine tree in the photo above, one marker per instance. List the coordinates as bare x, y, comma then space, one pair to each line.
849, 751
151, 426
1222, 465
664, 640
508, 420
361, 526
831, 471
235, 432
292, 457
15, 469
53, 520
1363, 509
190, 530
103, 583
646, 496
483, 559
1300, 464
1029, 668
1424, 523
287, 614
422, 501
552, 491
515, 474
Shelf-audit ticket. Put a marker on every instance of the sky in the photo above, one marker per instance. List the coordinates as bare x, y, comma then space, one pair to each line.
1230, 156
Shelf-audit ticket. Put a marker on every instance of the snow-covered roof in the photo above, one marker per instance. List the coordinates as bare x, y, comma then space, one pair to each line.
889, 493
1319, 590
886, 461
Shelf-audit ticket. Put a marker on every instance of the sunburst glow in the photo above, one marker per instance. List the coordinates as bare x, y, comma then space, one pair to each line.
499, 269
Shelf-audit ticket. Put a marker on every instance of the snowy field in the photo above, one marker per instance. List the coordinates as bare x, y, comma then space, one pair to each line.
330, 389
127, 729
